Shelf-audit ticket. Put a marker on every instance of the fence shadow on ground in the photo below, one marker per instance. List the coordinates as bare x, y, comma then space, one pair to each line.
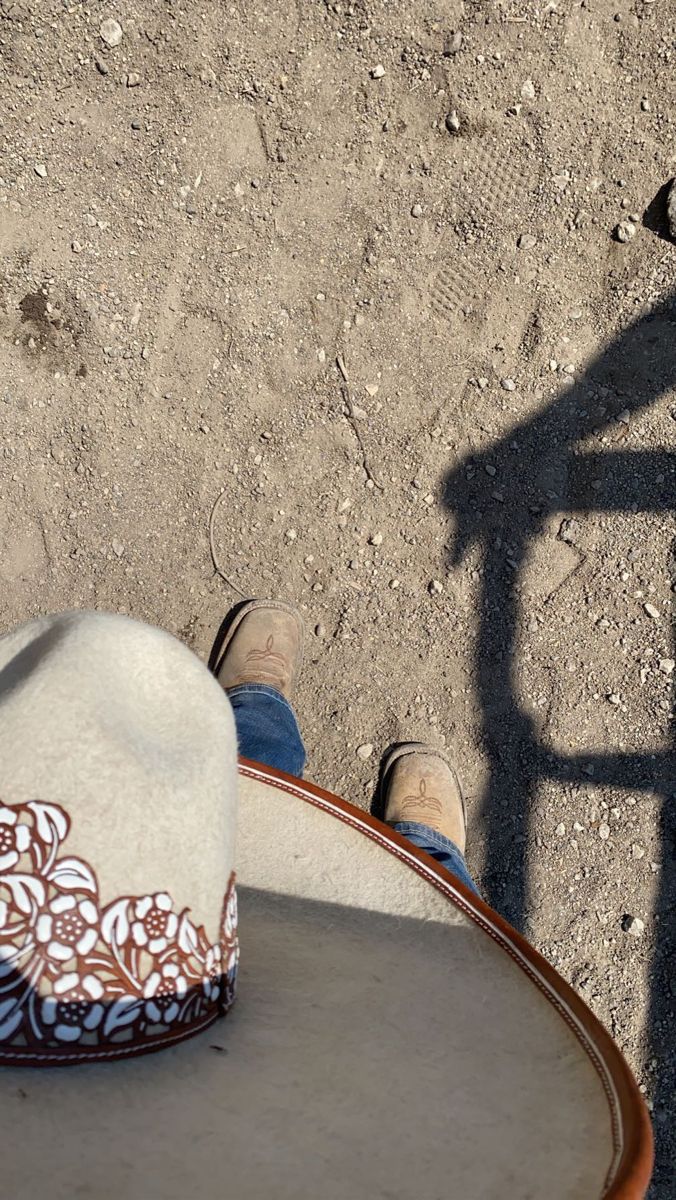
540, 472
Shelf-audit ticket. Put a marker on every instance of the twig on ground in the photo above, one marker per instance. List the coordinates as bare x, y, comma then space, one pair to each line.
345, 392
341, 367
214, 558
263, 131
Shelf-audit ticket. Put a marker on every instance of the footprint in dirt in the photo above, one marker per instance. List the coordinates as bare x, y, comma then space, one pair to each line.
23, 552
498, 174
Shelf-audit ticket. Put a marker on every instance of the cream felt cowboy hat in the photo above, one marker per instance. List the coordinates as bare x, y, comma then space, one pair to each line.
392, 1036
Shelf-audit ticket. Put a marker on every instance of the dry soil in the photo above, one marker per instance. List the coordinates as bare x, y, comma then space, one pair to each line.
196, 223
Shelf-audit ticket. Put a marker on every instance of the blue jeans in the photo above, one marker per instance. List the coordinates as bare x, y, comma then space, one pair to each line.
267, 731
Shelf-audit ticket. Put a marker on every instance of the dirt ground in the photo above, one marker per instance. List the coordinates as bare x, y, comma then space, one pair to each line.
196, 223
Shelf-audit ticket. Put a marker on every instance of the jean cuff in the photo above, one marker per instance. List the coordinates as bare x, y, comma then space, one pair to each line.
432, 836
439, 847
259, 689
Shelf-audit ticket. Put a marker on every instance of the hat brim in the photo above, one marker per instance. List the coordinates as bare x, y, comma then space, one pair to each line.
393, 1037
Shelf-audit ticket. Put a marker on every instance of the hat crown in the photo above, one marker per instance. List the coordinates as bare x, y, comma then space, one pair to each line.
118, 915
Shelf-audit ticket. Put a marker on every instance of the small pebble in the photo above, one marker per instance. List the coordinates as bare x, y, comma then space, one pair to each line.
637, 851
625, 231
76, 247
452, 44
645, 104
417, 211
453, 122
40, 170
118, 547
671, 210
376, 539
290, 535
133, 79
614, 698
378, 72
633, 925
101, 67
111, 32
508, 384
364, 751
667, 666
604, 831
320, 630
651, 611
528, 90
526, 241
435, 587
136, 124
560, 829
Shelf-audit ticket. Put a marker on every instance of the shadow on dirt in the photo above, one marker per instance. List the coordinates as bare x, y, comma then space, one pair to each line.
655, 215
541, 473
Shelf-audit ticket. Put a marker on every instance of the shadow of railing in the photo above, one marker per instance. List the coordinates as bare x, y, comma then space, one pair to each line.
540, 472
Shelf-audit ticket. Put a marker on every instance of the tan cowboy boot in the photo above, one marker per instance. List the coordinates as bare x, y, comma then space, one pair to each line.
420, 785
264, 644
